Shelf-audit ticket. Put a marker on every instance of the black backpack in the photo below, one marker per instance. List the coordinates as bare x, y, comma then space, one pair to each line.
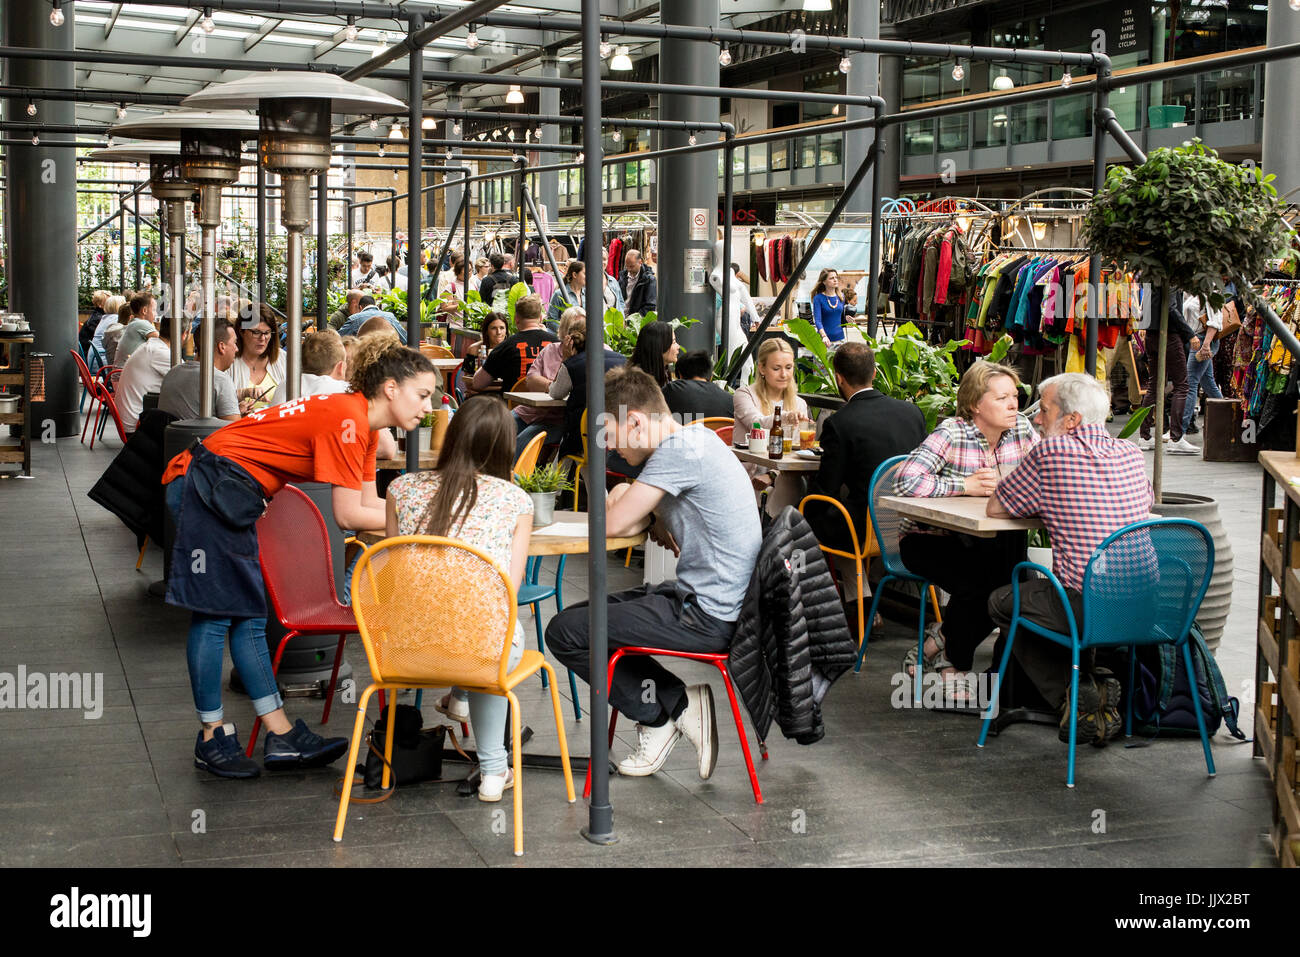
1163, 698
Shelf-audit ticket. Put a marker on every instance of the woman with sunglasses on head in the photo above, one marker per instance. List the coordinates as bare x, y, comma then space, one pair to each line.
258, 370
216, 491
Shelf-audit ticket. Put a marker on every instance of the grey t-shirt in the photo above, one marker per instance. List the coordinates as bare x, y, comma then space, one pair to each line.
133, 336
179, 393
709, 509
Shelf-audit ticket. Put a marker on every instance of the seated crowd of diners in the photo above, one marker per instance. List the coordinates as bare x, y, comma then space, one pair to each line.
702, 502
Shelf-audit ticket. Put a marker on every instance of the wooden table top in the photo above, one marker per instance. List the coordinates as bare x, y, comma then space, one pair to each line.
567, 535
446, 365
428, 460
960, 513
535, 400
786, 463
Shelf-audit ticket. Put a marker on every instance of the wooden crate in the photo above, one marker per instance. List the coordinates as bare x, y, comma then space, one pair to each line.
1275, 519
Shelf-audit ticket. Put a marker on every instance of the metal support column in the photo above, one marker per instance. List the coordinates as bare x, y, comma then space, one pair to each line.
451, 195
41, 212
1282, 81
862, 80
600, 817
139, 266
1096, 296
548, 184
728, 215
322, 248
175, 214
686, 234
121, 244
263, 221
414, 206
891, 91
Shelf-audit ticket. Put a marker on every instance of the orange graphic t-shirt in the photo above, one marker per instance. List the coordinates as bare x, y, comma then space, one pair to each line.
319, 438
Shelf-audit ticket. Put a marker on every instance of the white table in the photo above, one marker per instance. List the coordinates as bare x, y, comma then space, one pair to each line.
534, 400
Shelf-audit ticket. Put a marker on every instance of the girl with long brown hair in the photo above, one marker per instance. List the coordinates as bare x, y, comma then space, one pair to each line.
469, 496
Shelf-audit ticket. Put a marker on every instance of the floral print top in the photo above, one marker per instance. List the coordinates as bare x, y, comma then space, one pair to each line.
490, 524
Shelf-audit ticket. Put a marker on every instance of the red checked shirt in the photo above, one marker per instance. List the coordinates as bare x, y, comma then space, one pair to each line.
1084, 485
938, 466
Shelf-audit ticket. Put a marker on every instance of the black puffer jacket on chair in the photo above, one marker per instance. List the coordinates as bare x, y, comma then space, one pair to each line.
791, 640
131, 487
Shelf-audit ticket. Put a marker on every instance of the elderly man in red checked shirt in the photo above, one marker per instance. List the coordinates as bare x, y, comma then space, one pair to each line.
1084, 484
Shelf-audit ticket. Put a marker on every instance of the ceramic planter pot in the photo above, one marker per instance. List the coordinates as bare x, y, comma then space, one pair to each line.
1213, 614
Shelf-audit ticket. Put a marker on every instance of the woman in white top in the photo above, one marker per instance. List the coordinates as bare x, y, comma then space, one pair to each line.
482, 267
773, 385
258, 369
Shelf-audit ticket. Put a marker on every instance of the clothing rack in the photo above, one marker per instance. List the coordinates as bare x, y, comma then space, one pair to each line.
1040, 249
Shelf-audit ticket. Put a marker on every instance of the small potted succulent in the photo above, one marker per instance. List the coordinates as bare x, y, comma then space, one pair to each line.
543, 484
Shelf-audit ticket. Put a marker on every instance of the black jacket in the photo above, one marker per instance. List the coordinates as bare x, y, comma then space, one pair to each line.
866, 430
791, 641
493, 283
131, 487
576, 404
644, 297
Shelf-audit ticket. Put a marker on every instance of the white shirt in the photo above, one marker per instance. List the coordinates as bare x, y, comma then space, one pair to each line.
313, 384
142, 373
242, 377
1198, 317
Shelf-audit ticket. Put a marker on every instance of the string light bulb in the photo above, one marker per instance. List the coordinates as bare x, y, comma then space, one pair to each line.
374, 123
691, 139
121, 111
394, 175
510, 134
845, 64
1066, 80
56, 15
582, 157
724, 55
351, 32
471, 38
36, 140
617, 136
455, 129
606, 48
1295, 5
835, 110
31, 108
958, 71
207, 23
537, 134
427, 123
381, 149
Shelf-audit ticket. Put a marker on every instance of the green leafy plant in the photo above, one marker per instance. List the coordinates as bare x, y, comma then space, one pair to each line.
517, 292
546, 478
1135, 422
1186, 218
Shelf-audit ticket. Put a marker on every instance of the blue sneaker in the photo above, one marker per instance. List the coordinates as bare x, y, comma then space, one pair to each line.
301, 747
223, 756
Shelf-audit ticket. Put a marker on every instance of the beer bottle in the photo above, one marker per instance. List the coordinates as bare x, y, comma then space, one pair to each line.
776, 437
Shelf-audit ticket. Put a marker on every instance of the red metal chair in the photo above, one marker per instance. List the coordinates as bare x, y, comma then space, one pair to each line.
719, 661
107, 407
88, 388
294, 552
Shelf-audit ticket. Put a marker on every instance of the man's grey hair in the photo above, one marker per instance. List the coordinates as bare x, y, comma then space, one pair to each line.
1078, 392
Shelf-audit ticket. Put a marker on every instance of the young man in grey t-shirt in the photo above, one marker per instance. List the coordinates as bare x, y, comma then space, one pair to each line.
698, 496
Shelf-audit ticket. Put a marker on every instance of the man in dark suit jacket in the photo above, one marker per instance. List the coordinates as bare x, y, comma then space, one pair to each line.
638, 285
868, 429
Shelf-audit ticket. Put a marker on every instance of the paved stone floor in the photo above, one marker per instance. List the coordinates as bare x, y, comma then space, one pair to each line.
885, 786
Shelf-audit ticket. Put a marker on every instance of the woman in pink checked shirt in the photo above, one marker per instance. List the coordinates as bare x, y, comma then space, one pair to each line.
965, 455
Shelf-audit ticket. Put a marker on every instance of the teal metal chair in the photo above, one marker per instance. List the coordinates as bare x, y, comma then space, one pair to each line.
533, 593
885, 522
1143, 586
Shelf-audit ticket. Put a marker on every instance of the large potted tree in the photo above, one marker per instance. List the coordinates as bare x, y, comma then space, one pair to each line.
1184, 220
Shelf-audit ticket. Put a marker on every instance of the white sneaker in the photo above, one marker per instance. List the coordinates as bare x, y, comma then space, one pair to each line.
1183, 447
455, 708
492, 786
1165, 437
700, 726
652, 749
1148, 445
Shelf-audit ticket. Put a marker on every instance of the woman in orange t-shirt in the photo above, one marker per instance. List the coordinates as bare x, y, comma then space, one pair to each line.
219, 488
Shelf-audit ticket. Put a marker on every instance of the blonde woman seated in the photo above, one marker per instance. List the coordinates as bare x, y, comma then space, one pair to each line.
965, 455
773, 385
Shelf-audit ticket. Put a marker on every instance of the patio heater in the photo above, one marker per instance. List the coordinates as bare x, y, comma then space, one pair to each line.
209, 159
294, 111
171, 192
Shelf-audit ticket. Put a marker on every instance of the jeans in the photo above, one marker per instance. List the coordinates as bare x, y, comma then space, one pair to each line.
487, 716
205, 653
525, 433
1200, 372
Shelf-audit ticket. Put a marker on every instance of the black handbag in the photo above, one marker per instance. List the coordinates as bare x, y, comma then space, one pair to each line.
225, 488
417, 751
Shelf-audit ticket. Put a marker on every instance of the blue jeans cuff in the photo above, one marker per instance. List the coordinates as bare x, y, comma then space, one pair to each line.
212, 717
264, 706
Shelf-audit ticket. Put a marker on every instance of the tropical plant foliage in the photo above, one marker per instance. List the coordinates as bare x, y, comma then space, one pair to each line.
1186, 218
545, 478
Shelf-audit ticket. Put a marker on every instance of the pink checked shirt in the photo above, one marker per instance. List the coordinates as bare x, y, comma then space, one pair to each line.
1084, 485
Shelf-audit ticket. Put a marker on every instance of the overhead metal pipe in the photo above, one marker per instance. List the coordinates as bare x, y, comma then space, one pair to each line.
417, 36
416, 40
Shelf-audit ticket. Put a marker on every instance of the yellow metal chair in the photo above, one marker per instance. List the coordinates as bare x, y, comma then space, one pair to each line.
579, 462
715, 422
517, 387
406, 595
436, 352
527, 460
861, 556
